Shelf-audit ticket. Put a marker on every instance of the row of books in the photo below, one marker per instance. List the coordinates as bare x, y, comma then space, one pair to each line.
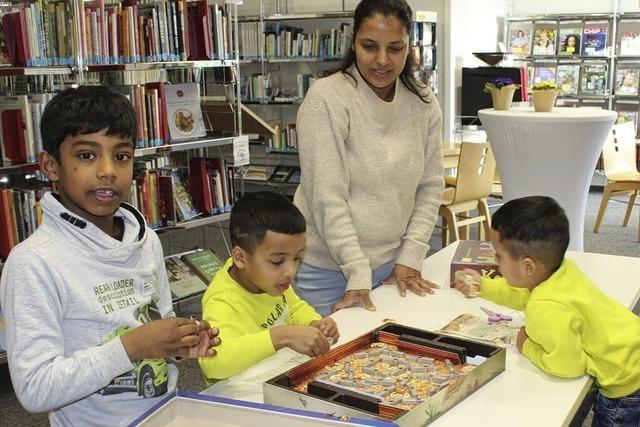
283, 41
572, 79
20, 139
190, 273
284, 138
423, 33
259, 87
64, 33
20, 214
165, 198
564, 38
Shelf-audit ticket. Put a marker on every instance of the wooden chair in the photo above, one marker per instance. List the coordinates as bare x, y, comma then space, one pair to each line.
620, 169
472, 186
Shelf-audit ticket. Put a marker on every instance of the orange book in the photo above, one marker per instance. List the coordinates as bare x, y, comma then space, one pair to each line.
6, 230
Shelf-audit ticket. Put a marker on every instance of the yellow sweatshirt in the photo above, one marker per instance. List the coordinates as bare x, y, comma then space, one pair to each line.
574, 328
244, 320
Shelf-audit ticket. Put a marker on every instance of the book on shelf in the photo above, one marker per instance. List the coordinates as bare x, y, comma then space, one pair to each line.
281, 174
594, 39
17, 144
185, 209
183, 111
626, 82
520, 38
594, 79
568, 78
569, 38
204, 263
20, 215
630, 43
478, 255
628, 111
258, 172
544, 73
294, 178
544, 38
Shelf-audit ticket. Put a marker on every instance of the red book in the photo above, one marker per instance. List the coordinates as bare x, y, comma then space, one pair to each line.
165, 184
199, 31
200, 184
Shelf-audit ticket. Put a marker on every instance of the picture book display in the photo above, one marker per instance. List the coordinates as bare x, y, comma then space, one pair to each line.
594, 40
543, 74
205, 263
184, 114
594, 79
478, 255
477, 326
630, 43
569, 40
627, 113
568, 78
626, 82
183, 281
520, 38
544, 39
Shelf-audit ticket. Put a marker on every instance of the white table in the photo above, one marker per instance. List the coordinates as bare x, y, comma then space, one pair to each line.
552, 154
523, 395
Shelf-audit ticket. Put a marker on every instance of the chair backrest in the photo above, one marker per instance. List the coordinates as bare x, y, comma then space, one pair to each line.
476, 167
619, 150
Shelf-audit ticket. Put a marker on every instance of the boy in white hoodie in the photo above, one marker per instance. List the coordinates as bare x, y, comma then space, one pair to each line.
79, 295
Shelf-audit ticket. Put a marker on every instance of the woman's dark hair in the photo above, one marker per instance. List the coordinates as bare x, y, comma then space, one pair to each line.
84, 110
402, 11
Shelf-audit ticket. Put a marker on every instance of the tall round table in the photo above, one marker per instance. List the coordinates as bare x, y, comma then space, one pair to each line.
552, 154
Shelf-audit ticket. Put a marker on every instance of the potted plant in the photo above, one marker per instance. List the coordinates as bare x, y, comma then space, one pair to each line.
501, 90
544, 96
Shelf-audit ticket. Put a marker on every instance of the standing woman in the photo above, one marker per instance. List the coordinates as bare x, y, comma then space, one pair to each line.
372, 175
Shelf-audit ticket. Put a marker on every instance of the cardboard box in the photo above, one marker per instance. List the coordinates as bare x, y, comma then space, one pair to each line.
381, 374
478, 255
196, 410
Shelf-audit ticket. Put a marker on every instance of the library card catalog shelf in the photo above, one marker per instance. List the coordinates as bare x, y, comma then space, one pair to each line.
394, 373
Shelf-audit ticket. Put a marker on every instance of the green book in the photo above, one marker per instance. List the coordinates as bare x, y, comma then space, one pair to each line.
205, 263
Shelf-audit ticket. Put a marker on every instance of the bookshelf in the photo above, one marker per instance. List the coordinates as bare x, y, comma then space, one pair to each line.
160, 53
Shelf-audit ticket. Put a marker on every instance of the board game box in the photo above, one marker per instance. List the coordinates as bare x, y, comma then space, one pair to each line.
394, 373
476, 255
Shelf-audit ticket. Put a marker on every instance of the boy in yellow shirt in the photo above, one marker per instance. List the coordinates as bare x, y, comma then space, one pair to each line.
572, 328
251, 297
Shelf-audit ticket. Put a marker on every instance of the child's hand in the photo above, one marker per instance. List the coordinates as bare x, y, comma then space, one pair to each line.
161, 338
303, 339
521, 338
328, 328
467, 281
208, 339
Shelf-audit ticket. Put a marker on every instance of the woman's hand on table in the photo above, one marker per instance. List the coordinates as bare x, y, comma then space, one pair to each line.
409, 278
352, 298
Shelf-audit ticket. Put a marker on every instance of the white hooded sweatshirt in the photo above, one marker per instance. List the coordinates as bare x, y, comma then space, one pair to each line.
67, 293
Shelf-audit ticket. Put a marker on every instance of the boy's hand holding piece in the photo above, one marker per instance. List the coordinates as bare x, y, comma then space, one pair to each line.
328, 327
208, 339
303, 339
174, 336
467, 281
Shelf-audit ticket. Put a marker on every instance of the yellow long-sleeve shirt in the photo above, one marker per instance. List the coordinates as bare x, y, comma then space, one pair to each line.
574, 328
244, 320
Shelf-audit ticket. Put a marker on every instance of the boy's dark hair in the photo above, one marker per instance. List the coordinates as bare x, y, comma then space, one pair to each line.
84, 110
256, 213
534, 226
399, 9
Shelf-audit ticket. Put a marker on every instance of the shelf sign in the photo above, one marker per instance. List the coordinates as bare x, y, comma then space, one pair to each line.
241, 150
426, 16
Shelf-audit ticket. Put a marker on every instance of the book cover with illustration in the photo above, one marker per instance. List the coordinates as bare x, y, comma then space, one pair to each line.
594, 79
520, 38
626, 82
630, 43
184, 114
544, 74
478, 255
476, 326
544, 40
627, 113
568, 78
594, 41
205, 263
183, 281
569, 41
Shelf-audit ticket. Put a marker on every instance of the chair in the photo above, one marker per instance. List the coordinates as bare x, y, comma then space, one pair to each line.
472, 186
619, 158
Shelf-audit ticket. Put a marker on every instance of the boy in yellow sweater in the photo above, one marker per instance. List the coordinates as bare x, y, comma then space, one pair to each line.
571, 327
251, 298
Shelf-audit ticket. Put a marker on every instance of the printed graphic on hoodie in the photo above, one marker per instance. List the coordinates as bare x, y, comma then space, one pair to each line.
149, 377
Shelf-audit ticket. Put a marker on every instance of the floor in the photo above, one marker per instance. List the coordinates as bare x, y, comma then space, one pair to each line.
612, 239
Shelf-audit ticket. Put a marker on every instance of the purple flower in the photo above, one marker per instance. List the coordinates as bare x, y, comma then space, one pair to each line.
502, 81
